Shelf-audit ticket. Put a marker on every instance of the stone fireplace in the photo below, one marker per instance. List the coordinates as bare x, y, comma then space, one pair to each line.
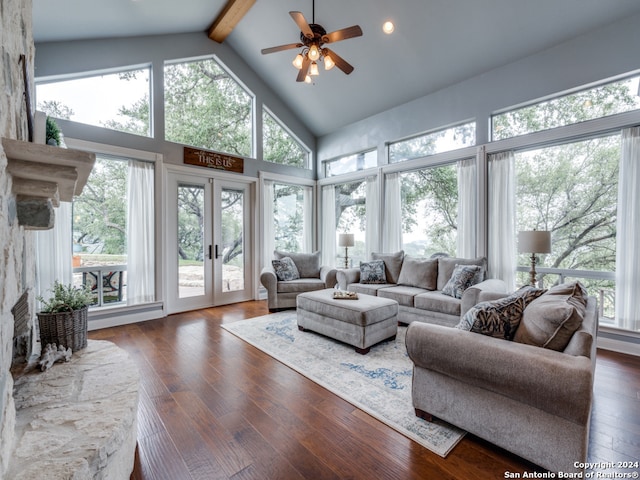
16, 244
78, 419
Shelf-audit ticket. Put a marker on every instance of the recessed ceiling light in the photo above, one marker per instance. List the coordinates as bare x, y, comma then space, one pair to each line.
388, 27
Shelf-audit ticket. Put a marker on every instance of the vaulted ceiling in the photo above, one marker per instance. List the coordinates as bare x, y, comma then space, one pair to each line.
436, 43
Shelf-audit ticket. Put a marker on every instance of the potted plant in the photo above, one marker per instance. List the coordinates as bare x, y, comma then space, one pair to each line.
53, 135
63, 318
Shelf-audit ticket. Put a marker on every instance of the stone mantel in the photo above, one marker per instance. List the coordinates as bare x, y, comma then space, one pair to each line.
78, 419
42, 177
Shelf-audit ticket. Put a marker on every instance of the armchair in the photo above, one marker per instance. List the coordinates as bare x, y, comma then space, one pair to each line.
281, 294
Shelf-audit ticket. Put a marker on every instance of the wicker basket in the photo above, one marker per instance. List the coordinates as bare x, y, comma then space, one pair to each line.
68, 329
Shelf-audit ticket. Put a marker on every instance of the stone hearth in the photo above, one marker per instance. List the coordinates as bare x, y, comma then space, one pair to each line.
78, 419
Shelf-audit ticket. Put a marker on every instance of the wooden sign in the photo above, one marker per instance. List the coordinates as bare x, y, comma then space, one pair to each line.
209, 159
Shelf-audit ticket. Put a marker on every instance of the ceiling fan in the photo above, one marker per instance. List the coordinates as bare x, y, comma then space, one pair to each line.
313, 37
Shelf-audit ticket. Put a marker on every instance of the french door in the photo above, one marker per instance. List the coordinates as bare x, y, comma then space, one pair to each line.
209, 241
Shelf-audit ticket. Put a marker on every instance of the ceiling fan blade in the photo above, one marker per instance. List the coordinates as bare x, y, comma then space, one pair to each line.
340, 62
302, 23
280, 48
302, 74
342, 34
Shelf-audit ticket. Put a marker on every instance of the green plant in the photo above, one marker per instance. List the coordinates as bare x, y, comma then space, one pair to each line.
66, 298
52, 131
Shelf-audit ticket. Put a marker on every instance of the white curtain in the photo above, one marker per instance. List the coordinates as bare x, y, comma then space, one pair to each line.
372, 234
329, 225
392, 232
268, 227
628, 233
307, 221
502, 218
54, 251
467, 212
140, 233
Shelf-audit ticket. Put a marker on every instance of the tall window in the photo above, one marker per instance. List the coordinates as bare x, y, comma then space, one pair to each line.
432, 143
113, 232
571, 190
206, 107
279, 146
289, 217
351, 209
598, 102
430, 211
119, 101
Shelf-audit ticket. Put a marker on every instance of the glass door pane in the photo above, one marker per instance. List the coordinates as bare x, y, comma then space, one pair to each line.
232, 213
231, 242
191, 240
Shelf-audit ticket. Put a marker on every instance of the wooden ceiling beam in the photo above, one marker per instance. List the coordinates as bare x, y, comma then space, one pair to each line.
230, 16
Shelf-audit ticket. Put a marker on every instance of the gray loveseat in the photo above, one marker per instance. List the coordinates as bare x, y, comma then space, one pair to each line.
312, 276
529, 400
417, 284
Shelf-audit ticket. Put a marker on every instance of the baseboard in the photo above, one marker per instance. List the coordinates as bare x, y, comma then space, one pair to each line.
124, 315
619, 341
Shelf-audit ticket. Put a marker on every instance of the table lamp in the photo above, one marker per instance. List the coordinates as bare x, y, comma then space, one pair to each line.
534, 241
346, 240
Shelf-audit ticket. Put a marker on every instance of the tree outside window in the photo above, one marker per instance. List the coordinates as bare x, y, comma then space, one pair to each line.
205, 107
279, 146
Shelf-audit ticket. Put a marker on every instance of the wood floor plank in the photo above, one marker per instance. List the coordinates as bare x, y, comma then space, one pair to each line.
212, 406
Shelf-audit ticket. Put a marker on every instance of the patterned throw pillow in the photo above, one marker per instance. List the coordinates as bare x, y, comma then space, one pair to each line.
499, 318
285, 269
372, 272
463, 277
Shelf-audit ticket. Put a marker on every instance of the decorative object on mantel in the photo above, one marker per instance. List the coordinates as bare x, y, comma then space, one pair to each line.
27, 95
53, 133
210, 159
346, 240
63, 319
53, 354
534, 241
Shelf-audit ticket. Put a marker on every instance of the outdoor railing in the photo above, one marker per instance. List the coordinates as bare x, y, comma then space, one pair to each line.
106, 282
606, 295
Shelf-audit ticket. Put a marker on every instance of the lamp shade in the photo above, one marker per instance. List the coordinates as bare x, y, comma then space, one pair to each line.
346, 240
534, 241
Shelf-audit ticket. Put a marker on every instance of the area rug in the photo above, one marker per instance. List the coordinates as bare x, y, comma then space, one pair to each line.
378, 383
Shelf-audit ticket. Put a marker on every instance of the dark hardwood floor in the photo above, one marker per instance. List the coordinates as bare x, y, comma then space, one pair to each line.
214, 407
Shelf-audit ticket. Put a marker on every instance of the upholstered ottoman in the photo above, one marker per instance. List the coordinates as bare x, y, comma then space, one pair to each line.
361, 323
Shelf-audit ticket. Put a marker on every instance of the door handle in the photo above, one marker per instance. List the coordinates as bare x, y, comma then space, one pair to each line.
217, 252
209, 252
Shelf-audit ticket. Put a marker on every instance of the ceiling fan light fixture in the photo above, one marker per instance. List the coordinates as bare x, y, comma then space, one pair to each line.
388, 27
313, 69
314, 53
328, 62
297, 62
307, 79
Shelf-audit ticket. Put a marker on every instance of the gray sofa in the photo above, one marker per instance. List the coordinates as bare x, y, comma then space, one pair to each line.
416, 284
282, 295
529, 400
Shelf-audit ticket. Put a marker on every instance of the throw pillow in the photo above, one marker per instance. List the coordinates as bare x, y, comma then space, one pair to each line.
447, 264
392, 264
308, 264
285, 269
419, 272
462, 278
499, 318
372, 272
551, 320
